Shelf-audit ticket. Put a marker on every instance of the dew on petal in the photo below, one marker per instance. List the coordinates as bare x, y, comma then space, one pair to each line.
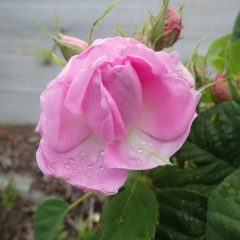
132, 155
140, 150
66, 165
90, 166
49, 166
101, 153
71, 160
82, 154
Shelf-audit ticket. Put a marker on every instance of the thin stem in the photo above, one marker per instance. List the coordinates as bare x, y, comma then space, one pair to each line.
74, 204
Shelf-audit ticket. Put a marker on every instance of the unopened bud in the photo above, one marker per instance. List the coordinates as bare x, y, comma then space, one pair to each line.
172, 28
220, 91
74, 41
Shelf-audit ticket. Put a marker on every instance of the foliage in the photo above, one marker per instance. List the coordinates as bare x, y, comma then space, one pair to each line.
198, 196
9, 197
48, 218
132, 214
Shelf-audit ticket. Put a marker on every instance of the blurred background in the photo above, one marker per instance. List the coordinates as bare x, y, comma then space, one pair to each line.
23, 76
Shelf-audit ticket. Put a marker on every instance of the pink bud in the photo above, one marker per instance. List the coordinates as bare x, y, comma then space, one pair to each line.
221, 91
173, 26
75, 41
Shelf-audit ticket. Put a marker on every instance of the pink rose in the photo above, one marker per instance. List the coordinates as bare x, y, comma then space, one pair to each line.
74, 41
172, 28
221, 91
117, 106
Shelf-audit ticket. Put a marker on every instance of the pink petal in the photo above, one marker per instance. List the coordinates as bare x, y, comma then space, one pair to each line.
141, 151
101, 112
168, 109
61, 129
82, 167
123, 84
180, 70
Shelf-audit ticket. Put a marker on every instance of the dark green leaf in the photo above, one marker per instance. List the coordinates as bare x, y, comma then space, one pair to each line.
210, 154
223, 217
131, 215
182, 214
236, 29
48, 218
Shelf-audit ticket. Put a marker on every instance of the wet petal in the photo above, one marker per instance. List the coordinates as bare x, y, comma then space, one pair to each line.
82, 167
141, 151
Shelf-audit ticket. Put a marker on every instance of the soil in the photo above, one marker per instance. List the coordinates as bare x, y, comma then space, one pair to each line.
18, 145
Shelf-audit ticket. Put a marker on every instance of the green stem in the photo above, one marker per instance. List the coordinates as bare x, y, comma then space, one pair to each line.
74, 204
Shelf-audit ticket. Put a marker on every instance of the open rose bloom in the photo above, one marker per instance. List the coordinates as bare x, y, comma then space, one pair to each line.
117, 106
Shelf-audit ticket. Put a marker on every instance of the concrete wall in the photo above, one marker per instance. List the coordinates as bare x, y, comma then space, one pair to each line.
23, 77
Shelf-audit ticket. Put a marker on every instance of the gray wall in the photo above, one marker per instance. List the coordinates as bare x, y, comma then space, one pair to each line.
23, 77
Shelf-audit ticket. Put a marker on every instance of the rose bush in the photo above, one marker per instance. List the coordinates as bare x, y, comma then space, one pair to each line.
117, 106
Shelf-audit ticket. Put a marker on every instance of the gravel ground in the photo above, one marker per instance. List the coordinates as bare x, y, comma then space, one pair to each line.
18, 146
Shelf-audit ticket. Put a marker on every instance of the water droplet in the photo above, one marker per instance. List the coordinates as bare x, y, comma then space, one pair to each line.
102, 168
50, 167
82, 154
132, 155
72, 160
133, 146
143, 142
90, 166
140, 150
66, 165
101, 153
104, 103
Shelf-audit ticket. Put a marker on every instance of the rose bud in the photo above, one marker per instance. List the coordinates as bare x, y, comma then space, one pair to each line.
172, 28
74, 41
165, 29
70, 46
117, 106
220, 91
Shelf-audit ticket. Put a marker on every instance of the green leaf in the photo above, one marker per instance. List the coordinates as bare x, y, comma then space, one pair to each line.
233, 58
210, 154
58, 60
131, 215
216, 52
44, 55
223, 217
48, 218
214, 140
224, 55
182, 214
236, 29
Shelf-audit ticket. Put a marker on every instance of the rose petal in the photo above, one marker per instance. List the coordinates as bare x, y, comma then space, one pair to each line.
123, 84
180, 70
101, 112
61, 129
82, 167
168, 107
141, 151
